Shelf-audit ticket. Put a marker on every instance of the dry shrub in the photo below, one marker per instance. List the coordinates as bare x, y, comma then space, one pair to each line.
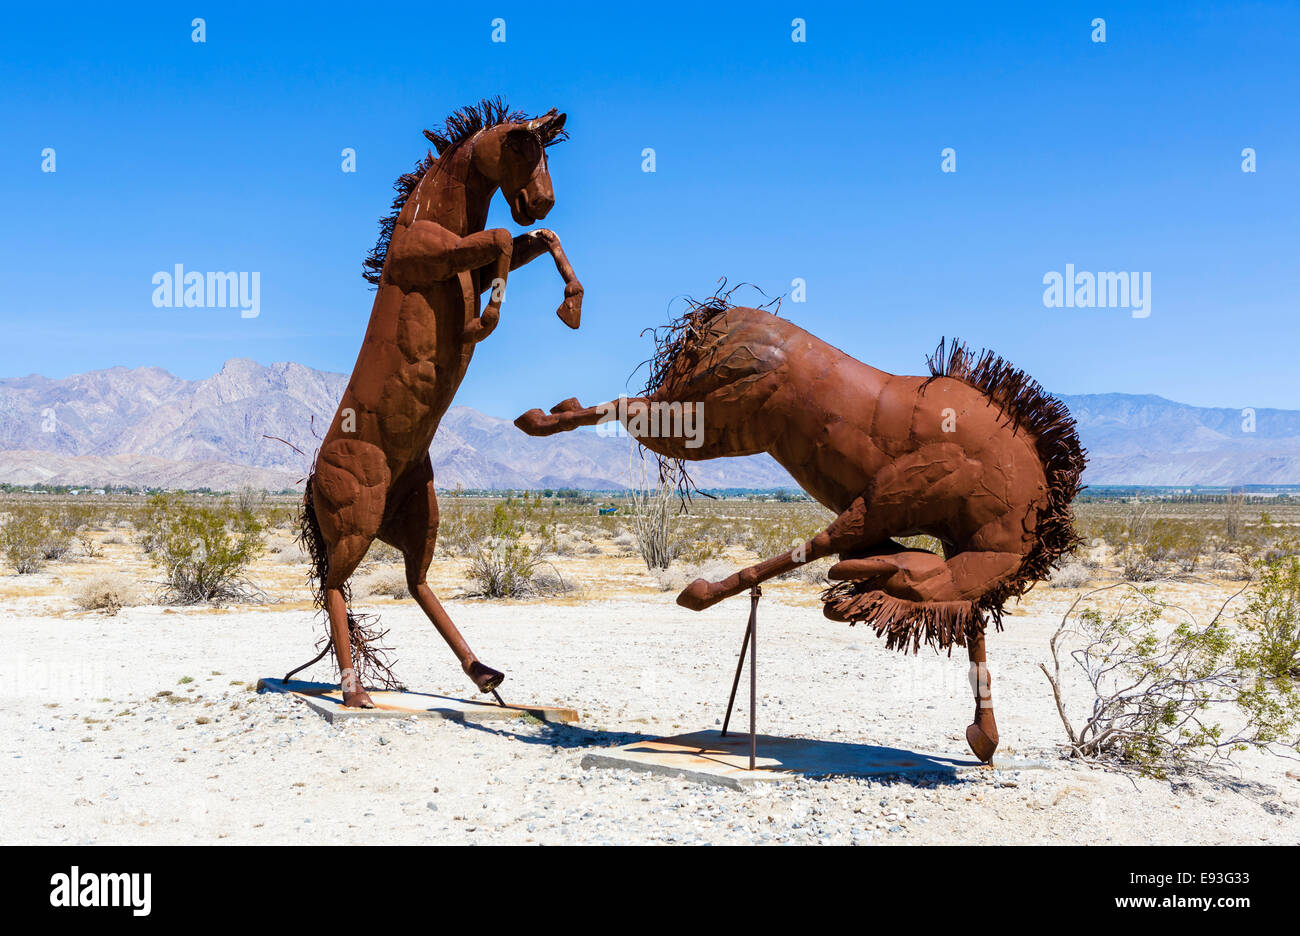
109, 593
815, 573
1163, 689
678, 576
290, 553
504, 566
654, 506
30, 537
1071, 575
564, 543
385, 584
1137, 565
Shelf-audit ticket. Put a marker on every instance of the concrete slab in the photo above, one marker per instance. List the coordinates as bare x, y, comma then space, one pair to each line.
707, 757
327, 699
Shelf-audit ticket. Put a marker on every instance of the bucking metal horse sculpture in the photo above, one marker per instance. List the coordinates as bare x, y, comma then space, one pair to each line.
975, 454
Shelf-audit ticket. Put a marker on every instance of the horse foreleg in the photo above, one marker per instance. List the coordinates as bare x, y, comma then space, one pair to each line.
982, 733
848, 530
530, 246
424, 251
701, 593
571, 414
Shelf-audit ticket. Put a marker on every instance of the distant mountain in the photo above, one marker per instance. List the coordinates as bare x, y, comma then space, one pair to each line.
148, 427
1148, 440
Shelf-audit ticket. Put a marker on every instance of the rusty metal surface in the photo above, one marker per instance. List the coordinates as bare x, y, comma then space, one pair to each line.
976, 455
372, 478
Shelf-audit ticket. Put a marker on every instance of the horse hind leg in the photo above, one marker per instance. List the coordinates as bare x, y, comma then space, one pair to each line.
920, 576
982, 733
413, 529
349, 489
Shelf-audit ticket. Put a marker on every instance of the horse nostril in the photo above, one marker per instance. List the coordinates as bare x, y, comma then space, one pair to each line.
544, 204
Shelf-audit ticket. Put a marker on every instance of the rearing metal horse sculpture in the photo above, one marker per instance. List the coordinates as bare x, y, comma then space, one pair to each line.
976, 455
372, 478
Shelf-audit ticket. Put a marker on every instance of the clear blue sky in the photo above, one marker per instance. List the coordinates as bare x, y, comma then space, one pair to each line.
775, 160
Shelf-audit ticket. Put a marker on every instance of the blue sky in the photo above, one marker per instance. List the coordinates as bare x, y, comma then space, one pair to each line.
775, 160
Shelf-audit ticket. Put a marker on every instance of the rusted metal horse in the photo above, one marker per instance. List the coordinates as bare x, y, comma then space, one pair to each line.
372, 478
975, 454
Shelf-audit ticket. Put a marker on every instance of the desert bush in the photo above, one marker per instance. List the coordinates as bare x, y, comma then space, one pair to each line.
814, 573
654, 506
505, 567
1071, 575
381, 553
1137, 565
290, 553
462, 526
204, 552
1160, 693
773, 535
699, 546
678, 576
25, 538
548, 581
1273, 616
113, 539
107, 593
386, 584
563, 543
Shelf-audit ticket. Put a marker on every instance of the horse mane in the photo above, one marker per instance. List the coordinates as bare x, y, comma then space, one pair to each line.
456, 129
1027, 405
678, 346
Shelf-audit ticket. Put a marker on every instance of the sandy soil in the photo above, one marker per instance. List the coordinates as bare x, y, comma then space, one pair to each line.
143, 728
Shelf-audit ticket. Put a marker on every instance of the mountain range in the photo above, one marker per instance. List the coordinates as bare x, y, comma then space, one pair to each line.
147, 427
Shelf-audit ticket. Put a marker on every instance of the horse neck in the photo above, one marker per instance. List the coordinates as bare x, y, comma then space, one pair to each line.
454, 194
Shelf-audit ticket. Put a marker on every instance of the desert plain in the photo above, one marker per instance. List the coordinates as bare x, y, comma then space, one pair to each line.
142, 723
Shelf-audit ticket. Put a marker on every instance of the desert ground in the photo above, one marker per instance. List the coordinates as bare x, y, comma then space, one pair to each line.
143, 725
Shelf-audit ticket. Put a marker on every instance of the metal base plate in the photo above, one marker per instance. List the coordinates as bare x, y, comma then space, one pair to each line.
327, 699
707, 757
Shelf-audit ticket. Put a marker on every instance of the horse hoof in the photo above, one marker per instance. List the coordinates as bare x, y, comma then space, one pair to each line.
485, 677
695, 595
358, 699
980, 743
536, 423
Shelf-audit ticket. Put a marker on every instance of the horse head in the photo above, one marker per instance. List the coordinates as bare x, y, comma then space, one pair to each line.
513, 156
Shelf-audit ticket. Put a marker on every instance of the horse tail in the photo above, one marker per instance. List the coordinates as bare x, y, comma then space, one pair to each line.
313, 544
906, 623
1027, 406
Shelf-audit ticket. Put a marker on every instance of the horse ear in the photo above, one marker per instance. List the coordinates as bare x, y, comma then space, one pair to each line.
548, 126
554, 128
